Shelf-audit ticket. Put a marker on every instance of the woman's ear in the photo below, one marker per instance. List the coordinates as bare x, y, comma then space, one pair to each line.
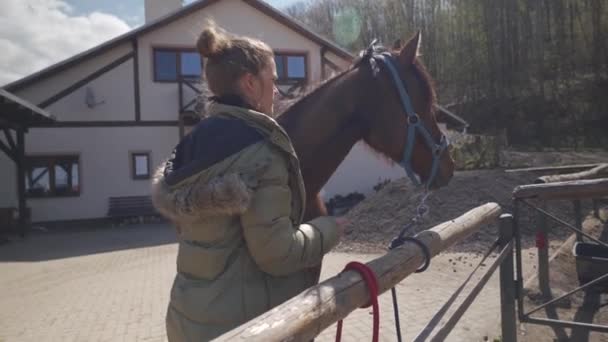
247, 84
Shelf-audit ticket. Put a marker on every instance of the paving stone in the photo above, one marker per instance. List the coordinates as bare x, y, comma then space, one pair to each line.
113, 285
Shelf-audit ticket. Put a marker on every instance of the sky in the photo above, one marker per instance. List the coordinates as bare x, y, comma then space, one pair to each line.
37, 33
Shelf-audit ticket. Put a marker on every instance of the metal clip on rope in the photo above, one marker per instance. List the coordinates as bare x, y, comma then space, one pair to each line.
421, 211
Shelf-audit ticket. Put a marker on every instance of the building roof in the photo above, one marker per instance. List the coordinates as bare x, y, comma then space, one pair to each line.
167, 19
17, 111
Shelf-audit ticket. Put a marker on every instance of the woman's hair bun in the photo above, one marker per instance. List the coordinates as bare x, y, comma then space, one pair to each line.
213, 41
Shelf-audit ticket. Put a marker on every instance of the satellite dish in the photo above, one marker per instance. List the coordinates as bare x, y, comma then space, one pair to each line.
89, 98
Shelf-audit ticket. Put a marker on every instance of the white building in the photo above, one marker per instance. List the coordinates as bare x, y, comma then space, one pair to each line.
117, 107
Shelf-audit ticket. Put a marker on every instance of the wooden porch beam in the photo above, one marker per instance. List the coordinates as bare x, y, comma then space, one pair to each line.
21, 181
9, 139
11, 153
331, 64
136, 93
8, 124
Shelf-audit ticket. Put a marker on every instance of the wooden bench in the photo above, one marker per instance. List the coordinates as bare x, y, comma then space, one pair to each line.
131, 206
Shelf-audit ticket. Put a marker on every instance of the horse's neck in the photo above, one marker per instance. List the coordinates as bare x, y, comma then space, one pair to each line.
323, 129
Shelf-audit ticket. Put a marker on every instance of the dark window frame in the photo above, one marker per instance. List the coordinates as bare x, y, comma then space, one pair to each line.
284, 54
50, 162
178, 51
134, 174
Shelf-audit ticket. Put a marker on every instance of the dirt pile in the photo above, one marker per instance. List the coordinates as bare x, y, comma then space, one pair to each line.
378, 219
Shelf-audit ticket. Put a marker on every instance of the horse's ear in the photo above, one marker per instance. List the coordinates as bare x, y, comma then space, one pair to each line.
408, 54
397, 44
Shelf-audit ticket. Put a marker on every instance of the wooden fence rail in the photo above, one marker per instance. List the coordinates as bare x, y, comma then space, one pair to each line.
579, 189
599, 171
308, 314
556, 169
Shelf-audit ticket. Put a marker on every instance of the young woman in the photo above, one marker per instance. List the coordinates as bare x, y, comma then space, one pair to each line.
234, 188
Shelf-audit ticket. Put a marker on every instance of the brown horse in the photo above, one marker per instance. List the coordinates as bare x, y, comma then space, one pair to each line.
363, 103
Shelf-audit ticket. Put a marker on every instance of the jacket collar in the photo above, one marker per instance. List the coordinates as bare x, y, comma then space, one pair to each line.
271, 129
266, 125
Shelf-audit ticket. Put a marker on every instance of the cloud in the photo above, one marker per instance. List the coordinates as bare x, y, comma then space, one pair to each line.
37, 33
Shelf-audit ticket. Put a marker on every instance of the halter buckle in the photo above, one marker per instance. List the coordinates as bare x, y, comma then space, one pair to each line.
438, 150
413, 119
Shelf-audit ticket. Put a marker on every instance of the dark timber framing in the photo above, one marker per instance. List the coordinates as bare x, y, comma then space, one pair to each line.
330, 64
22, 204
9, 138
136, 79
322, 56
65, 92
10, 152
17, 114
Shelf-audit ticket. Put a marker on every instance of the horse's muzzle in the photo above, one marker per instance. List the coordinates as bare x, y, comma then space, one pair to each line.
444, 175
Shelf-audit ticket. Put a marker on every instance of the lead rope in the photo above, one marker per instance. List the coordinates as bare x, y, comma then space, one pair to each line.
421, 211
372, 286
370, 279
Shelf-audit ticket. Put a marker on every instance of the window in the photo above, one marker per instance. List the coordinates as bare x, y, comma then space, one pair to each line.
171, 64
52, 176
140, 165
291, 67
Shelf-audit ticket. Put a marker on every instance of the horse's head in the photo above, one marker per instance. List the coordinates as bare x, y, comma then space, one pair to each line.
400, 123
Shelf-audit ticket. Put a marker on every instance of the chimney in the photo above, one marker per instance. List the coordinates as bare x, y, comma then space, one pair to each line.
159, 8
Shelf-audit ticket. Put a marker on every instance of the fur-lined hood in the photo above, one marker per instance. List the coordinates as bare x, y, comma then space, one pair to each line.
199, 179
200, 196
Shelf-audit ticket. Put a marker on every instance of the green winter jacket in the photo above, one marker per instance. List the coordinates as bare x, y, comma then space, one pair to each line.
233, 187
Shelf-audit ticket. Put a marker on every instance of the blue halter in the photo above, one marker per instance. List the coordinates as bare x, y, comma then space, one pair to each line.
414, 124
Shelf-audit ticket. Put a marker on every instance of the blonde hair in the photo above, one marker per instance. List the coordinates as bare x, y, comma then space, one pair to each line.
227, 57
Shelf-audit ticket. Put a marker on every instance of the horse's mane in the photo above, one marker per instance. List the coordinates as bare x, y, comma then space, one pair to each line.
428, 85
310, 90
420, 72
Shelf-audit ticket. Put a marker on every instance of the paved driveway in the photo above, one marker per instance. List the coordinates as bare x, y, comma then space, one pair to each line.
113, 284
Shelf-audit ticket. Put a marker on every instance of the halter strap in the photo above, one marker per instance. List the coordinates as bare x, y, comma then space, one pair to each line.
414, 125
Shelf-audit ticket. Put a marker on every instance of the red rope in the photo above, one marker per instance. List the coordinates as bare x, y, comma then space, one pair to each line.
372, 285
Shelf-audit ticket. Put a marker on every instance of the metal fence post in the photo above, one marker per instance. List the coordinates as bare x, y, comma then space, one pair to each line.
507, 281
542, 244
578, 216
